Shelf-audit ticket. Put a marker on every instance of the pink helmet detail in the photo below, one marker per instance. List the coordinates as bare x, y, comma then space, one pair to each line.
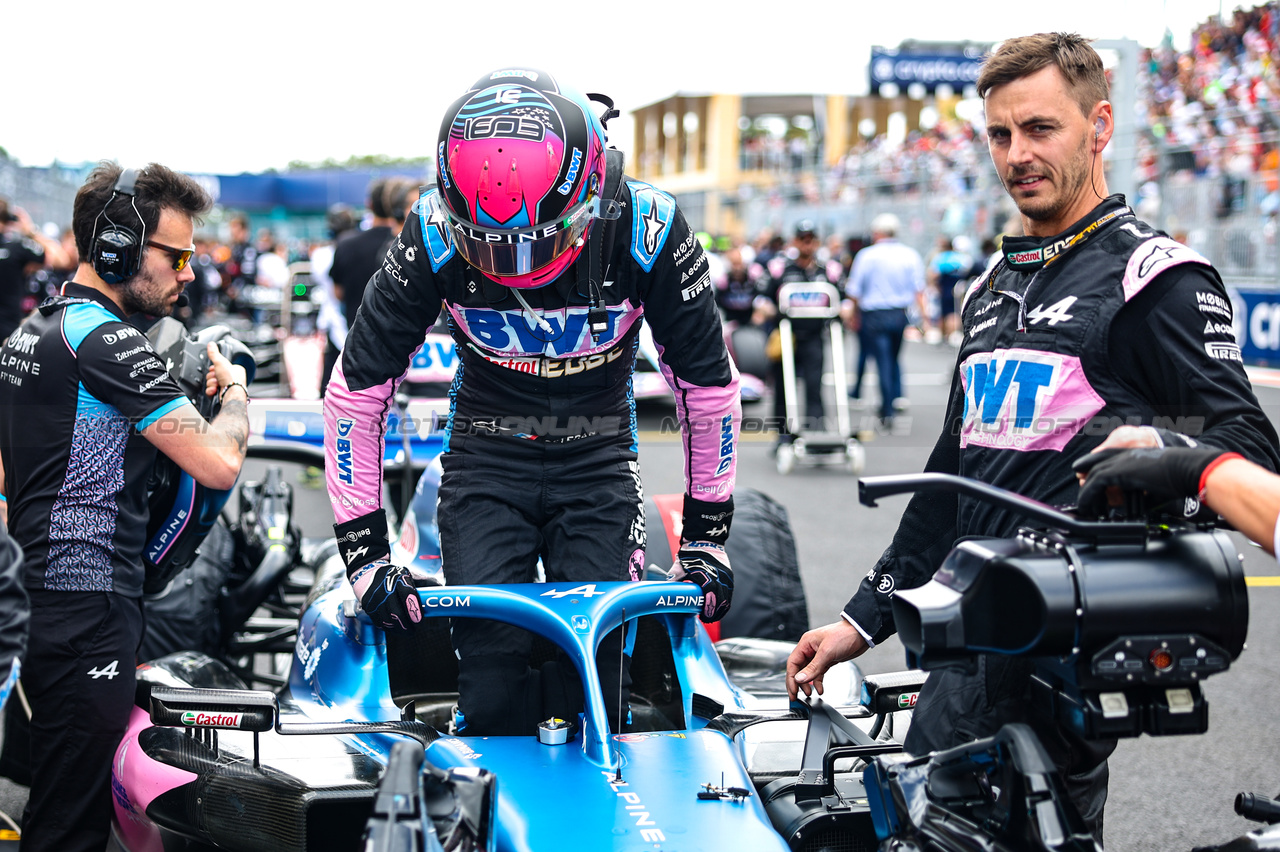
520, 162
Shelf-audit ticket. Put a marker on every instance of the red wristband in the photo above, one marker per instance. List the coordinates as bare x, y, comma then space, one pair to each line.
1204, 477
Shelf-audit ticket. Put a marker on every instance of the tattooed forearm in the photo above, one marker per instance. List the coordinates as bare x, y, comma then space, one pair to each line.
233, 421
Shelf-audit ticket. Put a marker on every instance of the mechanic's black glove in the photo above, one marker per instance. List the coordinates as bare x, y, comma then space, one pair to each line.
1165, 474
387, 594
705, 563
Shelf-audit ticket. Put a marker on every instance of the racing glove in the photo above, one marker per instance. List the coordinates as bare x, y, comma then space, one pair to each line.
1166, 474
386, 591
387, 595
706, 563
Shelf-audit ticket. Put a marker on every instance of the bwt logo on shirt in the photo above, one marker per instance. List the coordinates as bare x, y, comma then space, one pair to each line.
1024, 400
111, 338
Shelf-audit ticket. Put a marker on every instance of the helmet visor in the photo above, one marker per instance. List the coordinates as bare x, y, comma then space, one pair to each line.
520, 251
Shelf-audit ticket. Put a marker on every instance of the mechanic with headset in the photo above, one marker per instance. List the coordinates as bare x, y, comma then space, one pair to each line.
1091, 321
84, 407
545, 260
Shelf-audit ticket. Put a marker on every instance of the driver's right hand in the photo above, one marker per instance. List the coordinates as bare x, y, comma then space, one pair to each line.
387, 595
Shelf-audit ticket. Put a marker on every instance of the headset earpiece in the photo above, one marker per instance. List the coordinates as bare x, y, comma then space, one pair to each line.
117, 250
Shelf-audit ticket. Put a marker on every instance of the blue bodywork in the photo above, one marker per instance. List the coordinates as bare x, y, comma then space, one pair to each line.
601, 789
303, 422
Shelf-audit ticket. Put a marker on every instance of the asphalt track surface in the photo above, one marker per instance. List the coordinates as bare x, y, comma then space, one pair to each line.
1166, 794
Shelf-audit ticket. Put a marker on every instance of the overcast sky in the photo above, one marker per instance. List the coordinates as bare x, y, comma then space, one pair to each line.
231, 86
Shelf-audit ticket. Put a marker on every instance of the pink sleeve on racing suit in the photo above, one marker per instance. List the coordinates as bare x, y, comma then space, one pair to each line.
710, 419
355, 424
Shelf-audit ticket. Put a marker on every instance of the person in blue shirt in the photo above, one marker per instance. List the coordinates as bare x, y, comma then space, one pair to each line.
886, 279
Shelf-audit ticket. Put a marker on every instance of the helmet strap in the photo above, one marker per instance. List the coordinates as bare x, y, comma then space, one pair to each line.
609, 111
600, 240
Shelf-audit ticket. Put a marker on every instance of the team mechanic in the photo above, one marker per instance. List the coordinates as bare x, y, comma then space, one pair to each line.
84, 406
1091, 321
807, 332
545, 270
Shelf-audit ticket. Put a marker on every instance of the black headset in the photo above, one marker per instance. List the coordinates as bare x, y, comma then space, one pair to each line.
117, 250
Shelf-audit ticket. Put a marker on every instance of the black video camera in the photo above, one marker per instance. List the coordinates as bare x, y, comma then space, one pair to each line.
182, 511
1123, 619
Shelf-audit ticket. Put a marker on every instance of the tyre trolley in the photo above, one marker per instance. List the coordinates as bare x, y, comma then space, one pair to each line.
815, 300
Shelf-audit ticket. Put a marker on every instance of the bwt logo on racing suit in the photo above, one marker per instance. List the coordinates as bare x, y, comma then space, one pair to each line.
508, 332
726, 445
1023, 399
343, 446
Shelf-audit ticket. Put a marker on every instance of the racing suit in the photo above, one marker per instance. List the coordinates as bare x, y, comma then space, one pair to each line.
1107, 324
540, 455
810, 352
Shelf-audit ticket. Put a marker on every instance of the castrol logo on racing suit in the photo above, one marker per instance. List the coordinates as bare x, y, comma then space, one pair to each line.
196, 719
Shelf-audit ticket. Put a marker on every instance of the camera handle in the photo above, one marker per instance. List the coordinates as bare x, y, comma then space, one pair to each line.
872, 488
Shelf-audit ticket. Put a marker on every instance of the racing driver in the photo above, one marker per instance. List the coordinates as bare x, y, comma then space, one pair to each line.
545, 258
1090, 323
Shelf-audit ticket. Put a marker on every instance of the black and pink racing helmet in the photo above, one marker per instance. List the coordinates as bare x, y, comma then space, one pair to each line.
521, 165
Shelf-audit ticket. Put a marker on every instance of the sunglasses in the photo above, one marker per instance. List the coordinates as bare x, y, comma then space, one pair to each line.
180, 257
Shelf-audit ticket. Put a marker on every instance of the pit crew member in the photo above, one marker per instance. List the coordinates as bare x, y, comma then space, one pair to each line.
84, 407
1092, 321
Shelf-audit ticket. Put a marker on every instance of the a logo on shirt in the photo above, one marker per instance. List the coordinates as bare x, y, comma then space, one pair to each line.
552, 368
124, 333
697, 287
1158, 254
510, 332
654, 212
1224, 351
343, 447
435, 229
23, 342
1025, 399
726, 446
1054, 314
